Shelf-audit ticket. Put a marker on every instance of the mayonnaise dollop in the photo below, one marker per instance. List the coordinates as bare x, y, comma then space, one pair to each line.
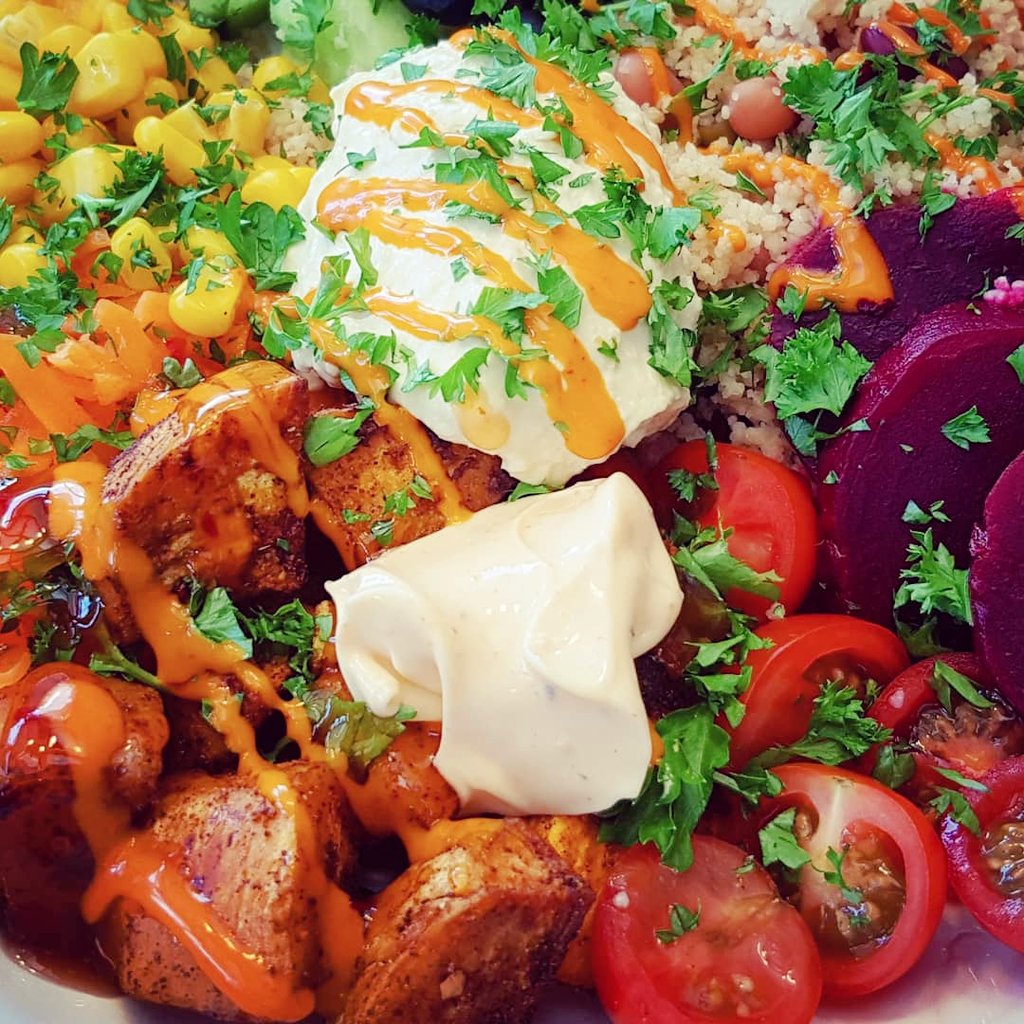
517, 631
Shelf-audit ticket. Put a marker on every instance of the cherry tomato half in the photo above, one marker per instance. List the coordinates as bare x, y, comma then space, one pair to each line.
787, 677
749, 958
987, 870
768, 507
966, 739
24, 519
892, 865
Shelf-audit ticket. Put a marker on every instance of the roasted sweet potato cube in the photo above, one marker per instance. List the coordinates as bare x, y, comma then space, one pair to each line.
469, 936
350, 495
212, 491
249, 861
45, 861
575, 840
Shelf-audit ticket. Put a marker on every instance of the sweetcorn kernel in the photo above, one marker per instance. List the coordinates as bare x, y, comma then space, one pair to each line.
16, 180
20, 136
145, 258
277, 187
18, 263
181, 155
110, 76
209, 309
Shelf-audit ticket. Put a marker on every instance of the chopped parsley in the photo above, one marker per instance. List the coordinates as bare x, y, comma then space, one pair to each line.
966, 429
680, 921
328, 438
778, 843
945, 681
46, 80
932, 581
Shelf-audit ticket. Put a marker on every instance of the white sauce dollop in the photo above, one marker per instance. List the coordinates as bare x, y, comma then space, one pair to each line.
517, 631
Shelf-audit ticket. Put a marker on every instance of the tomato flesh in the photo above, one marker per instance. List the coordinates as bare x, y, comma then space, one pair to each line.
768, 507
786, 677
966, 739
987, 870
892, 858
749, 958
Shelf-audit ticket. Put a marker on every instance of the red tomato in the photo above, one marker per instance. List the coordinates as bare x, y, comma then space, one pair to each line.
891, 855
767, 506
786, 678
623, 461
987, 871
23, 524
750, 957
969, 740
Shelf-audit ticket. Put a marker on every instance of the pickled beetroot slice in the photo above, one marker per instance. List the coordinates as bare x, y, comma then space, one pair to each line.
997, 583
951, 360
965, 249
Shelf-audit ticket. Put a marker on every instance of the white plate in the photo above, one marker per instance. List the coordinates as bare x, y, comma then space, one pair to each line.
965, 978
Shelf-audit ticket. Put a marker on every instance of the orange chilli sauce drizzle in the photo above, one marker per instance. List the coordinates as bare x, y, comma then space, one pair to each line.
133, 865
861, 274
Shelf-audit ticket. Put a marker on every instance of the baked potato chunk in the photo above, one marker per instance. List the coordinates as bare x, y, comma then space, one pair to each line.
469, 936
205, 492
350, 497
249, 861
45, 862
575, 840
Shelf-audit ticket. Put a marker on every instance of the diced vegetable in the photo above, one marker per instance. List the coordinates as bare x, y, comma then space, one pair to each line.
926, 273
996, 597
916, 405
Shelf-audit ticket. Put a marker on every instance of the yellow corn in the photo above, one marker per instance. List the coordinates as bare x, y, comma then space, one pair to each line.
10, 83
89, 171
145, 106
186, 120
209, 309
190, 37
145, 259
214, 74
110, 76
181, 154
68, 37
20, 136
16, 180
25, 233
277, 187
199, 241
29, 24
270, 163
271, 68
90, 134
247, 120
18, 263
86, 13
144, 49
116, 18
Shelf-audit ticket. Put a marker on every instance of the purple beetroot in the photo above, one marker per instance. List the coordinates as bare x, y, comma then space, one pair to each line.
997, 583
964, 250
952, 360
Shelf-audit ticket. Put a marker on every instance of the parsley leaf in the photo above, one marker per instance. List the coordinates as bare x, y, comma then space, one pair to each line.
932, 581
778, 843
328, 438
217, 618
966, 429
956, 805
671, 228
181, 375
677, 791
507, 308
933, 202
261, 236
680, 921
839, 730
945, 680
812, 372
1016, 361
562, 292
46, 80
893, 768
711, 563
